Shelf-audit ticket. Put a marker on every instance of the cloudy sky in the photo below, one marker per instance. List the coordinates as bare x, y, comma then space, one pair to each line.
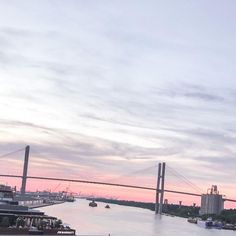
105, 89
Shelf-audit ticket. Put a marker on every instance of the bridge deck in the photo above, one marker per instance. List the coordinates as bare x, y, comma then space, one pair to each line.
109, 184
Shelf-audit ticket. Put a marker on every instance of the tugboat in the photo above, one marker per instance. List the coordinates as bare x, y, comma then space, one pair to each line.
93, 204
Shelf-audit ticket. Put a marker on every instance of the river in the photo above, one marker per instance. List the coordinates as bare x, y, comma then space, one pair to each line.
124, 221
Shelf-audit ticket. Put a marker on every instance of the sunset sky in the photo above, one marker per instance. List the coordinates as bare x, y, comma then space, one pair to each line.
104, 90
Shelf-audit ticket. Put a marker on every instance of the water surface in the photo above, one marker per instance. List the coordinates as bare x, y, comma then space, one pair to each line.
124, 221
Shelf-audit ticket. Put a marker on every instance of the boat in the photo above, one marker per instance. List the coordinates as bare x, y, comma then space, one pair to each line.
93, 204
192, 220
229, 227
107, 206
205, 223
217, 225
68, 197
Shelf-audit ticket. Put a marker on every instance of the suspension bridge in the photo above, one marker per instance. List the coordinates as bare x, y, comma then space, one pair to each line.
159, 189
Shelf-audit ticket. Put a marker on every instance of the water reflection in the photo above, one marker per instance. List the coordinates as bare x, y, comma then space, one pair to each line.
124, 221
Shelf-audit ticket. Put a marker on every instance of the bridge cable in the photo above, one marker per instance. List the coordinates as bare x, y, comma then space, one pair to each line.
10, 153
50, 160
188, 182
183, 178
132, 173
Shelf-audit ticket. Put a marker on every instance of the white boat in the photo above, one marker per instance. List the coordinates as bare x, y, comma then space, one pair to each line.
205, 223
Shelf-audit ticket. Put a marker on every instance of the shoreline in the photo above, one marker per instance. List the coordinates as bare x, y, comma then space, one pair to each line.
45, 204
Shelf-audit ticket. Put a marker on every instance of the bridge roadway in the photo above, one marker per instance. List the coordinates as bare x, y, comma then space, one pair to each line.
109, 184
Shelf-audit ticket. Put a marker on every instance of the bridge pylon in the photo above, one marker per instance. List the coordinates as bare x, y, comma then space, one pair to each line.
160, 188
25, 170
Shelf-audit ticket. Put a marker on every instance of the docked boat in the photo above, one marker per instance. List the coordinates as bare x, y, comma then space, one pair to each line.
68, 197
93, 204
192, 220
107, 206
217, 225
229, 227
205, 223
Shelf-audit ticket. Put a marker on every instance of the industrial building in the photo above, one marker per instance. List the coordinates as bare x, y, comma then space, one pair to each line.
212, 202
10, 199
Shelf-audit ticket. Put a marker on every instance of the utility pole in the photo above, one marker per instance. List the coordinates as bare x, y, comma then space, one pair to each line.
25, 170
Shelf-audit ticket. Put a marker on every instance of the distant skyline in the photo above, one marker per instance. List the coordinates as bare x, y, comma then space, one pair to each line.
102, 89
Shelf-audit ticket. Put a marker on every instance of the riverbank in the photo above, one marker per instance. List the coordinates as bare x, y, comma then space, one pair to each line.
227, 216
45, 204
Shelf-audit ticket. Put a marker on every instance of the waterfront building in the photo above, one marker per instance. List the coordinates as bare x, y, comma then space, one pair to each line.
9, 199
28, 201
19, 219
6, 194
212, 202
9, 202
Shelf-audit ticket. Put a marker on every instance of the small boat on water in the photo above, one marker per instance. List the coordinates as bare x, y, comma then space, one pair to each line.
93, 204
205, 223
107, 206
